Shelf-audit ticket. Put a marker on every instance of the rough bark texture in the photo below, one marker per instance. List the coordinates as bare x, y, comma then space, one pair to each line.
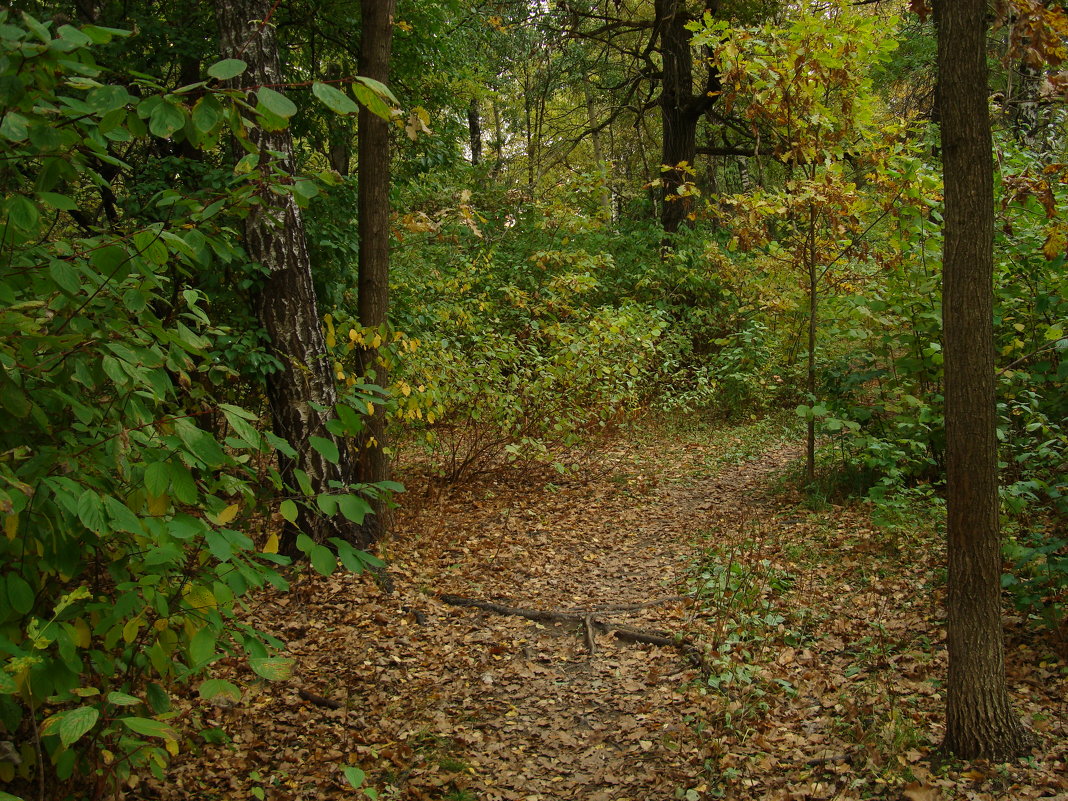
474, 129
286, 305
373, 203
980, 722
680, 108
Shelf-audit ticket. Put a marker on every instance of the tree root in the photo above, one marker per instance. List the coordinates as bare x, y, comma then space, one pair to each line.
591, 626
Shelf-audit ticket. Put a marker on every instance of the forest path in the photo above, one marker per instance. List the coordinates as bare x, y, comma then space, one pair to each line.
820, 646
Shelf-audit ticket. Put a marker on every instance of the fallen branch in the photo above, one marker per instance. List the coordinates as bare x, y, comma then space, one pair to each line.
589, 623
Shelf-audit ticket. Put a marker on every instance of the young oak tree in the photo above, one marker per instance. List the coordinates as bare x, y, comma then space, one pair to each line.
980, 722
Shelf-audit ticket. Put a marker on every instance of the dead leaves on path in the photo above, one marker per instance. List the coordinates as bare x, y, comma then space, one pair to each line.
821, 637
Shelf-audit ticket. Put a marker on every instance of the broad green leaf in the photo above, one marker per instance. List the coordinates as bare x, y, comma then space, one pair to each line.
19, 594
166, 119
275, 102
334, 99
123, 699
323, 560
372, 101
227, 68
150, 728
157, 478
272, 668
77, 722
214, 688
354, 507
202, 647
354, 775
327, 447
288, 510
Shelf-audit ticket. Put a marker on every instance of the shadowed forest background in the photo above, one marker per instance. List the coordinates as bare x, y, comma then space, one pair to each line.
387, 384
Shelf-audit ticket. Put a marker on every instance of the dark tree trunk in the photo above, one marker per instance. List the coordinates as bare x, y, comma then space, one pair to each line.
980, 722
474, 128
286, 305
373, 202
680, 109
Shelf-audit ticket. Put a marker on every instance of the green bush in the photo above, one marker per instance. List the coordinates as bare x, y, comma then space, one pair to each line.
126, 488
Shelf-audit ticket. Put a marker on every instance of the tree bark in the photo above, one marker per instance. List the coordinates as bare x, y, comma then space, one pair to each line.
680, 109
474, 129
286, 304
980, 722
373, 208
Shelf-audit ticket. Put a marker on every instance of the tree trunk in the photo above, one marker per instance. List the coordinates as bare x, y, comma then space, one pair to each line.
680, 110
980, 722
286, 305
474, 129
373, 207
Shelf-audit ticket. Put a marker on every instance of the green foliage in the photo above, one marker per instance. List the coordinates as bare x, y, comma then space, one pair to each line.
126, 486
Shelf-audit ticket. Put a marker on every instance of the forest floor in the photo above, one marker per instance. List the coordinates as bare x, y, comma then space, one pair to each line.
804, 662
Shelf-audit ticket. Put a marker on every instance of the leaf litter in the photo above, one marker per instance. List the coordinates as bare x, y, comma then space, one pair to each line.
821, 643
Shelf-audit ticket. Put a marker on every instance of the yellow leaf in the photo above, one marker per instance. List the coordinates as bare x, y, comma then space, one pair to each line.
83, 635
158, 504
228, 514
11, 526
271, 546
160, 624
370, 408
129, 631
199, 597
171, 746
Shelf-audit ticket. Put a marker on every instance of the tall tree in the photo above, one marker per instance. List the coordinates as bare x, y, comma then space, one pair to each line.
681, 108
373, 208
303, 394
979, 718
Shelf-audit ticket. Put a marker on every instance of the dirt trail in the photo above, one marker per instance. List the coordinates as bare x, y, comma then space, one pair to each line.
442, 702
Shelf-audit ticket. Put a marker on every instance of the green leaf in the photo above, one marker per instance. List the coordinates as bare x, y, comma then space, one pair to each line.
334, 99
272, 668
213, 688
289, 510
150, 728
354, 775
280, 445
122, 699
77, 722
378, 88
22, 213
327, 447
276, 103
323, 560
19, 594
354, 508
13, 127
166, 119
122, 519
91, 510
206, 114
7, 684
202, 647
372, 101
157, 478
227, 68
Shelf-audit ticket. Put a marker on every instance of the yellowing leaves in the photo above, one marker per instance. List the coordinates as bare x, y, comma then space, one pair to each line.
418, 123
227, 515
271, 546
199, 597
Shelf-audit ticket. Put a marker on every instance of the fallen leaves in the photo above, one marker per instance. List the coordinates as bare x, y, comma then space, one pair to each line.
830, 690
